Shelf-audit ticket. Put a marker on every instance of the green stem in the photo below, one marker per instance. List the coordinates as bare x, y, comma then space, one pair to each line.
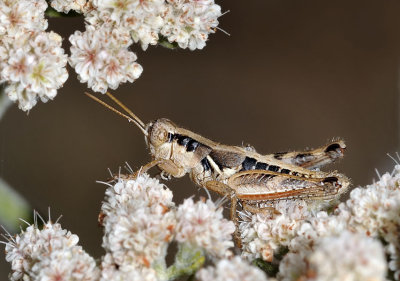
187, 261
12, 205
269, 268
5, 102
51, 13
163, 41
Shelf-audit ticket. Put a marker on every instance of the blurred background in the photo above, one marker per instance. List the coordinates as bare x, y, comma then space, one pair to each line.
292, 75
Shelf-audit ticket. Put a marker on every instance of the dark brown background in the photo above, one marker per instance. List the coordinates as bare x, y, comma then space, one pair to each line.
293, 74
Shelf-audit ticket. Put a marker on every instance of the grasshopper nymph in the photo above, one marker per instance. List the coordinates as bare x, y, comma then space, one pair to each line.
240, 173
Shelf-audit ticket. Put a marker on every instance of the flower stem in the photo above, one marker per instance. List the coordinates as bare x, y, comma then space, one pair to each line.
163, 41
5, 102
187, 261
12, 207
51, 13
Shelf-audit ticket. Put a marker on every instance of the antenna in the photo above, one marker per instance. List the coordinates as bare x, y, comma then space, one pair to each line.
126, 109
134, 118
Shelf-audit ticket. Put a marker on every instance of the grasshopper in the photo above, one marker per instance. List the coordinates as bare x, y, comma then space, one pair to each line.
239, 173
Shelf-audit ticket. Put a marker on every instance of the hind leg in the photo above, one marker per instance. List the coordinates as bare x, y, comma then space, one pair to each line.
313, 159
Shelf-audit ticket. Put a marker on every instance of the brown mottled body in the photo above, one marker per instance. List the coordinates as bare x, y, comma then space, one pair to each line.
240, 173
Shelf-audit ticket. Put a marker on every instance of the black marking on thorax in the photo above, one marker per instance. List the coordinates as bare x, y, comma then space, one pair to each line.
182, 140
190, 144
206, 164
170, 137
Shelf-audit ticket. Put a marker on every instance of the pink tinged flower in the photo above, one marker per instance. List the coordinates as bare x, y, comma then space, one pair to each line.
349, 257
235, 269
18, 67
102, 59
67, 264
141, 18
262, 234
189, 22
65, 6
202, 225
25, 15
18, 93
85, 54
35, 68
138, 221
39, 254
110, 271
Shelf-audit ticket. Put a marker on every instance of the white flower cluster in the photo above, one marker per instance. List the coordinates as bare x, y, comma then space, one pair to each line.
109, 271
233, 270
262, 234
23, 15
374, 211
32, 62
345, 256
189, 22
202, 224
141, 18
139, 221
50, 253
347, 241
64, 6
309, 244
335, 255
101, 57
185, 22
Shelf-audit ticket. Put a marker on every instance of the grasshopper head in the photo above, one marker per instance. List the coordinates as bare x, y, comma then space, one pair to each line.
159, 137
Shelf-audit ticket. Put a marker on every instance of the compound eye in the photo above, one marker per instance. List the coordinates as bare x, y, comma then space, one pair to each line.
163, 136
